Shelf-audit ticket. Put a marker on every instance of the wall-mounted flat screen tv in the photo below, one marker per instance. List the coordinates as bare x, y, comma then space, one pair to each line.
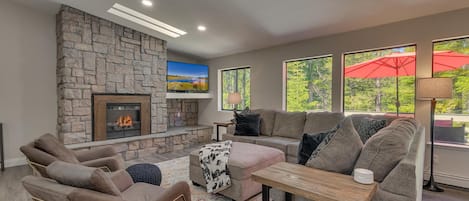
187, 77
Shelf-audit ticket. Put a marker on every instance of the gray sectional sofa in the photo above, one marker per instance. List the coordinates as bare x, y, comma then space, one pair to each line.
284, 130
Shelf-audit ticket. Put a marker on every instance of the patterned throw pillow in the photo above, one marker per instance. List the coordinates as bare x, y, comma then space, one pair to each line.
368, 127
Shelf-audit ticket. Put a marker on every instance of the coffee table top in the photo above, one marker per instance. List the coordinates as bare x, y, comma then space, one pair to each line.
313, 183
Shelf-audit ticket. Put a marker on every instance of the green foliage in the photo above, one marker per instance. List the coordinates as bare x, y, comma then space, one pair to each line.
236, 80
378, 94
309, 84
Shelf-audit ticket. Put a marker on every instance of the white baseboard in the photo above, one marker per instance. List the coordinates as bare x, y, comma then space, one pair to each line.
15, 162
450, 179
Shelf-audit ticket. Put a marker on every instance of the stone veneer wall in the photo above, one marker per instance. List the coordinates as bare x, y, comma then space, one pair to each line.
182, 112
97, 56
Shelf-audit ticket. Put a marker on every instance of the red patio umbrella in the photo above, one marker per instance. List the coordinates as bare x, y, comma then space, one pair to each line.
403, 64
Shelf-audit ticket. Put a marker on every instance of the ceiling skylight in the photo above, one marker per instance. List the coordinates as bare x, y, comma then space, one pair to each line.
144, 20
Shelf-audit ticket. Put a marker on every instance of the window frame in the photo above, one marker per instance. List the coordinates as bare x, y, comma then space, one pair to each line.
377, 49
284, 76
447, 144
220, 84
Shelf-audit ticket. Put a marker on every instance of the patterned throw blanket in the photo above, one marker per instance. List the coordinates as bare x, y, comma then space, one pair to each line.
214, 161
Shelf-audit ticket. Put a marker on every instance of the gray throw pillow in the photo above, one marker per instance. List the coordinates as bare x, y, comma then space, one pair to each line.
386, 148
338, 151
368, 127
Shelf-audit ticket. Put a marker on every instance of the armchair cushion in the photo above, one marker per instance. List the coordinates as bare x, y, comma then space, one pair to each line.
82, 177
51, 145
142, 192
91, 154
114, 163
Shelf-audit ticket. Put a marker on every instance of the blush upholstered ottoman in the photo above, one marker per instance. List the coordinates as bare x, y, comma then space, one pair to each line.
244, 159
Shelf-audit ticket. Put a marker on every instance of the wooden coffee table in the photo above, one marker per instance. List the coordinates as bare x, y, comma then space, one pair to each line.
311, 183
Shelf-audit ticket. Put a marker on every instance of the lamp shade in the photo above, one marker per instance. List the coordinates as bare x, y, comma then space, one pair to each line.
234, 98
438, 88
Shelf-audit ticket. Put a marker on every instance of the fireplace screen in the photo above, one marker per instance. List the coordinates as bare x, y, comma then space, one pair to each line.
122, 120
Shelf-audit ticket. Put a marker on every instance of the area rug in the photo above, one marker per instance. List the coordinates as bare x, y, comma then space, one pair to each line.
178, 170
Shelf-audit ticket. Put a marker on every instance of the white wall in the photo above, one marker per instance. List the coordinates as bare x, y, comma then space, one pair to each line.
266, 78
28, 100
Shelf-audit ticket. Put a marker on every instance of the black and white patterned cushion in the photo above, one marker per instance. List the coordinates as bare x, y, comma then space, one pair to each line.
368, 127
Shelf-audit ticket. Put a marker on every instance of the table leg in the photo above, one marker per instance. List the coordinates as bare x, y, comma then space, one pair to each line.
266, 192
218, 133
288, 196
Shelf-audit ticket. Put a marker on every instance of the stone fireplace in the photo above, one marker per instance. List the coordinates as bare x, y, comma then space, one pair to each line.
120, 116
96, 56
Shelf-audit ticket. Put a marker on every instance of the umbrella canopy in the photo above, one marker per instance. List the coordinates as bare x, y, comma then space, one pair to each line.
403, 64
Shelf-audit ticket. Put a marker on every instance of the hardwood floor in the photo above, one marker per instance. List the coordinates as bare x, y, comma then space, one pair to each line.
12, 190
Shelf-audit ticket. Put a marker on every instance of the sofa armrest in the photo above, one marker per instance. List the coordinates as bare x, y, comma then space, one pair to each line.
231, 129
113, 163
405, 181
101, 152
178, 192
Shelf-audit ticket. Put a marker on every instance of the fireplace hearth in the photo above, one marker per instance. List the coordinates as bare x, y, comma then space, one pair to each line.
119, 116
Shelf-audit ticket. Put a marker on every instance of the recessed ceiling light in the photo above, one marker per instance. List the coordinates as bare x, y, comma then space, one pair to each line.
147, 2
144, 20
201, 28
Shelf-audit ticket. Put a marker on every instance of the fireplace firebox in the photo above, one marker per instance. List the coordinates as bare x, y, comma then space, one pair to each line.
119, 116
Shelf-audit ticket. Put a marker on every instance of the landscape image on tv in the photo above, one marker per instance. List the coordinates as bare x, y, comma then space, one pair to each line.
186, 77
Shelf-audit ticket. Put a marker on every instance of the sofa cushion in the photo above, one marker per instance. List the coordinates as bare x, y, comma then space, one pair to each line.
289, 124
247, 124
338, 151
267, 120
51, 145
82, 177
386, 148
245, 139
279, 143
322, 121
309, 143
368, 127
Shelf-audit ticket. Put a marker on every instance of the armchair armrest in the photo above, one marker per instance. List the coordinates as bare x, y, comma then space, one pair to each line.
113, 163
178, 192
122, 180
81, 194
100, 152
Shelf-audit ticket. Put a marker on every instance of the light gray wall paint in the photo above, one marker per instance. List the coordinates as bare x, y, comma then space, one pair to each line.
267, 67
28, 100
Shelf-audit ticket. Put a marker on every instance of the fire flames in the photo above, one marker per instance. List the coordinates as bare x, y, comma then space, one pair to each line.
124, 121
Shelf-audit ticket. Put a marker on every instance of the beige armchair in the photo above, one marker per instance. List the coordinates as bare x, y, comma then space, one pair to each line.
47, 149
73, 182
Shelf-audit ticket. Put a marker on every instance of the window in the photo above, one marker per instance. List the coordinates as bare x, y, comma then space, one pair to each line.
380, 81
308, 84
451, 59
236, 80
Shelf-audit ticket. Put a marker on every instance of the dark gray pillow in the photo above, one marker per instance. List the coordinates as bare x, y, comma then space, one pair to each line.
338, 151
247, 124
368, 127
309, 143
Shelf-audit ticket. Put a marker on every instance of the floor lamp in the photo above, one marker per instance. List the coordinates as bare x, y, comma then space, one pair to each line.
234, 99
433, 89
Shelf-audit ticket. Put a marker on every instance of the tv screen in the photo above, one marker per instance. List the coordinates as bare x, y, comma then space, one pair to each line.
186, 77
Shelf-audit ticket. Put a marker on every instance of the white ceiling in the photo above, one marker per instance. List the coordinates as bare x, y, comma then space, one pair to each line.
235, 26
